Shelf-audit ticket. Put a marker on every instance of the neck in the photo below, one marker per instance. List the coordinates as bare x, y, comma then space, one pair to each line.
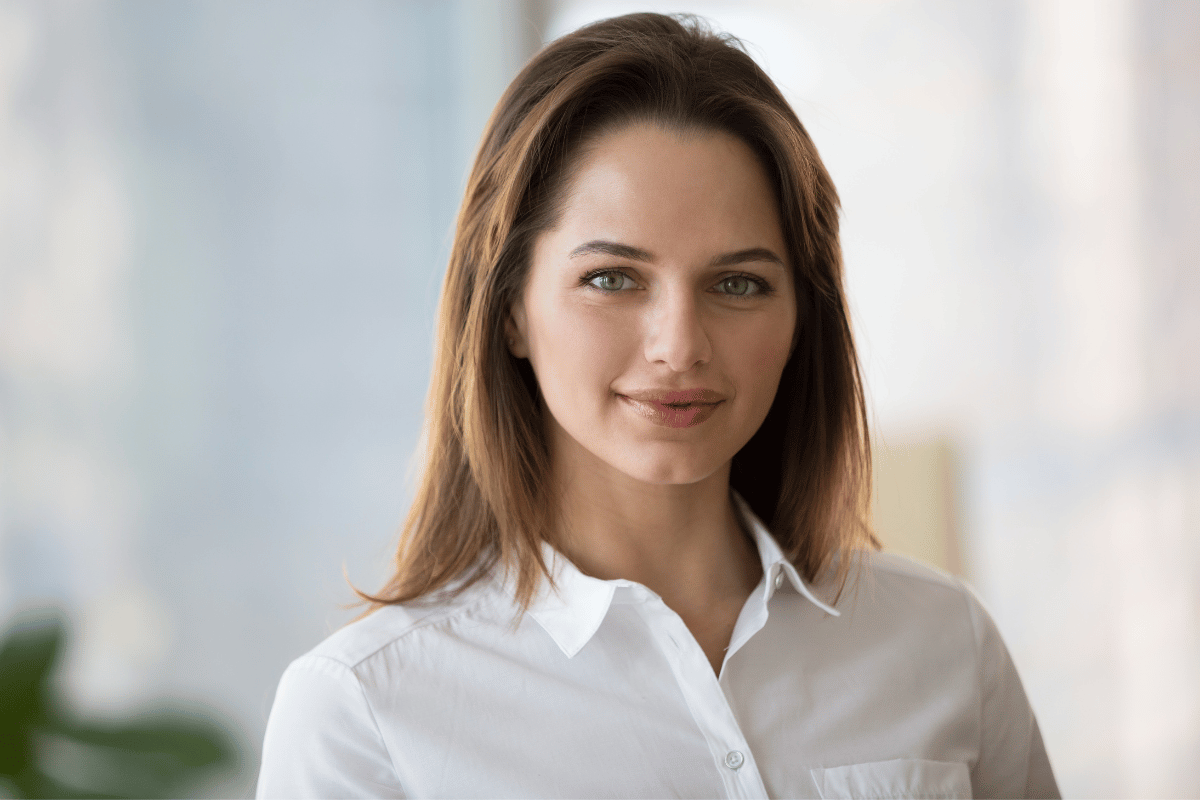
682, 541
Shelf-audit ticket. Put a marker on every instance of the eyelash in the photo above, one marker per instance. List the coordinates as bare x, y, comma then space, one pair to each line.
764, 289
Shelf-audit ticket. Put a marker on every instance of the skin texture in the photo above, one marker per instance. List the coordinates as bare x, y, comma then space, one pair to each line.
639, 501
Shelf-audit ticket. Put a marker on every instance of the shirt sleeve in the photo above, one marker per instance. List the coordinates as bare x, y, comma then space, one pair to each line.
322, 739
1012, 758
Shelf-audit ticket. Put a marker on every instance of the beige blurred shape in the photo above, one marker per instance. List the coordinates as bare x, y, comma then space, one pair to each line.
914, 501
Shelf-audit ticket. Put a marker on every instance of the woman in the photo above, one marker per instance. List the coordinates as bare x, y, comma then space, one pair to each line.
646, 484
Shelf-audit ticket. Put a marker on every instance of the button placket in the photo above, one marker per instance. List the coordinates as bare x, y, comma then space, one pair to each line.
707, 702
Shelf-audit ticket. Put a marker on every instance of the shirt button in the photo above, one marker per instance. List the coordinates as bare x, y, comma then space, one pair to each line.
778, 579
734, 759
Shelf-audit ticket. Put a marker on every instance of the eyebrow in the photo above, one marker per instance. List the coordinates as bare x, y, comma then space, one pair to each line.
618, 250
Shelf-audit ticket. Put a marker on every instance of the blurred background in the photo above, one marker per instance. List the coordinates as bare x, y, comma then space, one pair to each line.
223, 230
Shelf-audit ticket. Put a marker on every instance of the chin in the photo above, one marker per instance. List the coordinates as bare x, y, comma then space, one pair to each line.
670, 472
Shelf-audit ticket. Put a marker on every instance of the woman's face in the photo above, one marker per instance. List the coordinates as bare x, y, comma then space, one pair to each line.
667, 271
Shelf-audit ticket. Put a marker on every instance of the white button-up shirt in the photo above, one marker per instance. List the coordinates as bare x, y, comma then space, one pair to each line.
904, 689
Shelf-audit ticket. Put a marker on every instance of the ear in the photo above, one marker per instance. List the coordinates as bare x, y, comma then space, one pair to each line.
514, 331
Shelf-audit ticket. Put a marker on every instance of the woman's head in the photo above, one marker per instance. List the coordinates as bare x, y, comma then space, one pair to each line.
601, 105
666, 271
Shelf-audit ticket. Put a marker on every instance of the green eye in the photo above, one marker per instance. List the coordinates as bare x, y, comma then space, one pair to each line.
612, 279
743, 282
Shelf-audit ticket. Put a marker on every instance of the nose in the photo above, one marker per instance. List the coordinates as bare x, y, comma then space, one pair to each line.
675, 333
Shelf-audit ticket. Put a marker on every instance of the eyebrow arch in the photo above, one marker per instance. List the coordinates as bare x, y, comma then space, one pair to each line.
741, 256
615, 249
618, 250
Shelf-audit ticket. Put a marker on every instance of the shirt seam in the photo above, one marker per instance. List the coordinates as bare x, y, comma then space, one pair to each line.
374, 721
433, 619
972, 605
977, 636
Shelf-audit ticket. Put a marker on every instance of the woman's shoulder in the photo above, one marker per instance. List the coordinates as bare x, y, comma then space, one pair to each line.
389, 628
896, 590
323, 736
894, 573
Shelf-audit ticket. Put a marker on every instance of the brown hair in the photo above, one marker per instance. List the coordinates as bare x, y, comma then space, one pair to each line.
483, 497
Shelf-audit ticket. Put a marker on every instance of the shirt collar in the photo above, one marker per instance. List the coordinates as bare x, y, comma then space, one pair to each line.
774, 561
573, 614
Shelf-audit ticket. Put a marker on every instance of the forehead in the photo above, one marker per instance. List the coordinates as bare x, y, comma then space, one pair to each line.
685, 192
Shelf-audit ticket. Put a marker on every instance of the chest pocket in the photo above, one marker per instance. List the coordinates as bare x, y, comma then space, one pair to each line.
901, 778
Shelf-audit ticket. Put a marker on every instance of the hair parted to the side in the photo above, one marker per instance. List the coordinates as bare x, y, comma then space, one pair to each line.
484, 495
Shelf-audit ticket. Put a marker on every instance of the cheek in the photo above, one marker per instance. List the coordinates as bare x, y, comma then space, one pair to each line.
579, 348
760, 353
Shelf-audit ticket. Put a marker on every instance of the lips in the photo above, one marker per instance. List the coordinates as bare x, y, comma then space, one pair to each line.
675, 397
673, 416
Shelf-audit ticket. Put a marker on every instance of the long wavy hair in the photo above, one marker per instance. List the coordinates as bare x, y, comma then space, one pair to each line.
484, 492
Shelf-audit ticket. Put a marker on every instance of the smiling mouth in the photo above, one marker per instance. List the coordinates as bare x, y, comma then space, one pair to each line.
682, 405
673, 415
